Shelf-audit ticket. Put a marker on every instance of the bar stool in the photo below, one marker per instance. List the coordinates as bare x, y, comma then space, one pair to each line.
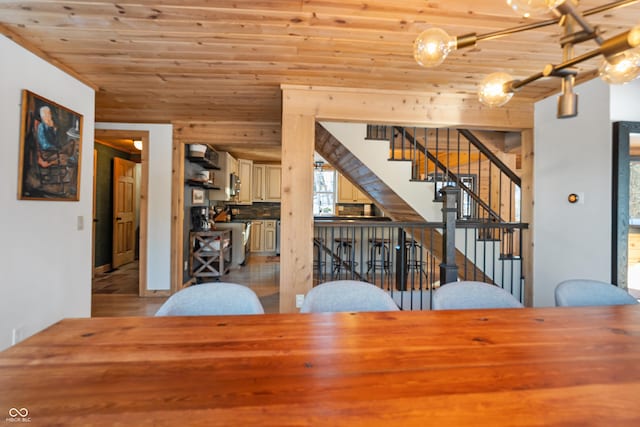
343, 254
413, 257
379, 257
318, 264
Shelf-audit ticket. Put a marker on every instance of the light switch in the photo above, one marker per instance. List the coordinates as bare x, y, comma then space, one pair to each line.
80, 222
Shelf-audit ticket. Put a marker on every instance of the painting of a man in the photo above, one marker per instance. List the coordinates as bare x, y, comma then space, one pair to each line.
49, 167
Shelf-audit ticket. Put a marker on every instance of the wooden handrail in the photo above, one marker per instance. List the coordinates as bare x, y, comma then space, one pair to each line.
492, 157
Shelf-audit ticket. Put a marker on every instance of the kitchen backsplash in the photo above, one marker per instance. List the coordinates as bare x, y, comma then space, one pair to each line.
256, 210
272, 210
350, 209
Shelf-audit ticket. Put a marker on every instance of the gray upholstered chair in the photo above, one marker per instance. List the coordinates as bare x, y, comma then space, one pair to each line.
347, 295
470, 294
583, 292
216, 298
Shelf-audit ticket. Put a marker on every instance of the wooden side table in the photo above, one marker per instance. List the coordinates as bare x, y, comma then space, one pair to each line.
209, 254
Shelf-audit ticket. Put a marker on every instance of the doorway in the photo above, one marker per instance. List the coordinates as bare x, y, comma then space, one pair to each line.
120, 213
625, 251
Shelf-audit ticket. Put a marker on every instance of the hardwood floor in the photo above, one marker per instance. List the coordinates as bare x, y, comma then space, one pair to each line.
123, 280
261, 274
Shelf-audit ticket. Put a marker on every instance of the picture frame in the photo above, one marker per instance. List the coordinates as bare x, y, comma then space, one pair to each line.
50, 150
197, 196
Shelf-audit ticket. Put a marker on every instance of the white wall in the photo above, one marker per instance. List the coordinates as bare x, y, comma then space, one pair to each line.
625, 102
159, 200
45, 261
572, 156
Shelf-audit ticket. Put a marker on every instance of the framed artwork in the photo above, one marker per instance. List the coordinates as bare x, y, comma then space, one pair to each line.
197, 196
50, 149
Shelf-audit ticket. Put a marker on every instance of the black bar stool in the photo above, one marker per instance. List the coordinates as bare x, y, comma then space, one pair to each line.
379, 257
343, 254
413, 257
318, 263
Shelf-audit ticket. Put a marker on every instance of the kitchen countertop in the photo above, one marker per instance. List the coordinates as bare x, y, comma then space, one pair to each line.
351, 218
261, 218
321, 218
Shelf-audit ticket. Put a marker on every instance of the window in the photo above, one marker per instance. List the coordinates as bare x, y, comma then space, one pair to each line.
324, 191
466, 204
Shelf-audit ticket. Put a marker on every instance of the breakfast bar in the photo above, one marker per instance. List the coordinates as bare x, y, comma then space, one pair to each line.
525, 367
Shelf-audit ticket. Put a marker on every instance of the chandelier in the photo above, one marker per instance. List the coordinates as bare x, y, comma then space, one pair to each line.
621, 54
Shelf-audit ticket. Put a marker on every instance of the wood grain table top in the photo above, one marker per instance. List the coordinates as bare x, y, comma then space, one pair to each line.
517, 367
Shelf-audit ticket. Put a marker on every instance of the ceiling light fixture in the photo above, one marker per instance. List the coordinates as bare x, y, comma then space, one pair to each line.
137, 143
621, 53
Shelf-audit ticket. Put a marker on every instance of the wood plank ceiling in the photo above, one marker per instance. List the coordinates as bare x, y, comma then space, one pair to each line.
214, 68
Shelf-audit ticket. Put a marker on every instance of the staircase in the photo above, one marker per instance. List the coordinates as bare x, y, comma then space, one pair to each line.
422, 161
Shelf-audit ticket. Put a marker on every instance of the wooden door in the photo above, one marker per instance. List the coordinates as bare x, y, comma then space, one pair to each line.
124, 214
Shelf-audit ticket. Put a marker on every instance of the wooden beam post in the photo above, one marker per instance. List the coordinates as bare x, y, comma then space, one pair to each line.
296, 208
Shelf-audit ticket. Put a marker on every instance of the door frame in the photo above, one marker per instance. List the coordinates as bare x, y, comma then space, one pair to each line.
105, 134
620, 201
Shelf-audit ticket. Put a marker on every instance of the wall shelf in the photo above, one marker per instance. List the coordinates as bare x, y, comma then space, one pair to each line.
202, 184
204, 162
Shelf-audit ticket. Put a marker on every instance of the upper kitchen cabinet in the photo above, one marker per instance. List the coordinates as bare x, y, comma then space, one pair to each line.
349, 193
267, 182
226, 178
245, 171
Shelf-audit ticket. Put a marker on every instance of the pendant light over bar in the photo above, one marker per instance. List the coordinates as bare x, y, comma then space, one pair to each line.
621, 53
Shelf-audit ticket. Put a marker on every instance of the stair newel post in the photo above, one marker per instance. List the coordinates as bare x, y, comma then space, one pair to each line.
448, 267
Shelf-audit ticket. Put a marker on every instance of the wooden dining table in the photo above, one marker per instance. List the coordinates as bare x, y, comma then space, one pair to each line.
515, 367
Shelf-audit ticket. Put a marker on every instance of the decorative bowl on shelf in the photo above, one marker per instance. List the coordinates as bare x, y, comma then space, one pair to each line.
197, 150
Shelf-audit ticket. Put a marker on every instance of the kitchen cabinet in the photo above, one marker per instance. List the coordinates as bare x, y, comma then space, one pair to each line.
257, 182
270, 236
267, 182
263, 236
245, 171
349, 193
257, 236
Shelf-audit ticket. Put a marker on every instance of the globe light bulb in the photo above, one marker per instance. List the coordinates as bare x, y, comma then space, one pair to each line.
432, 46
622, 68
528, 8
634, 36
137, 143
493, 91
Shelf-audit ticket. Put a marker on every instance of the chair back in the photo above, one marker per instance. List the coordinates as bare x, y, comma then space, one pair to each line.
470, 294
583, 292
347, 295
216, 298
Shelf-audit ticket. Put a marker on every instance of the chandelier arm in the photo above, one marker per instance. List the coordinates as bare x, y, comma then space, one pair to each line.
568, 8
609, 48
516, 85
546, 23
519, 29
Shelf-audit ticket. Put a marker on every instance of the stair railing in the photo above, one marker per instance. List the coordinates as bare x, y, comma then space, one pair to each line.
490, 190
